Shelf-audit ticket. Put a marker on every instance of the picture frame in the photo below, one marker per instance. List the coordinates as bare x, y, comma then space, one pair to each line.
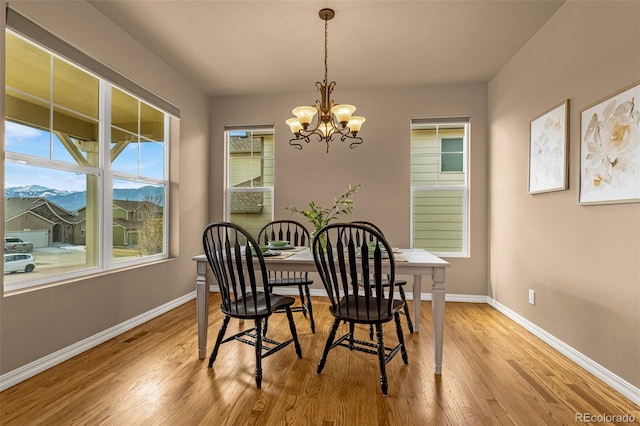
610, 149
549, 150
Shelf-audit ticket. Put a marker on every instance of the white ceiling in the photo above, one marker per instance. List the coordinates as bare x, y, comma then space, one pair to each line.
241, 47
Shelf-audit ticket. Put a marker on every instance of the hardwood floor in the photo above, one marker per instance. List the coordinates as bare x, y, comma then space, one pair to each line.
494, 373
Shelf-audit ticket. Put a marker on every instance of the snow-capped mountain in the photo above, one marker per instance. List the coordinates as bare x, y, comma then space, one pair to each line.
33, 191
72, 201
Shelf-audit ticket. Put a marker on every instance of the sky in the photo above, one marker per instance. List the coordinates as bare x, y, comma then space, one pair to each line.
38, 143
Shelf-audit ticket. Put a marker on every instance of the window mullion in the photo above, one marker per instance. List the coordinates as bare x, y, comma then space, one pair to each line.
51, 106
438, 153
139, 138
106, 222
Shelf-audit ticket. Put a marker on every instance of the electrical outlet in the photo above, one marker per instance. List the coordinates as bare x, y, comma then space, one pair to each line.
532, 297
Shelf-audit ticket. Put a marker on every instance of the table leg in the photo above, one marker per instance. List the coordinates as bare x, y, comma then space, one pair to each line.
417, 290
202, 307
437, 304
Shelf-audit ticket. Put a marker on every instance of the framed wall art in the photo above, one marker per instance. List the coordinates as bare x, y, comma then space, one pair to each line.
610, 149
549, 150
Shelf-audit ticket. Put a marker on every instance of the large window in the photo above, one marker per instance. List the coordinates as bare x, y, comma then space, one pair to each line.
74, 144
250, 176
439, 185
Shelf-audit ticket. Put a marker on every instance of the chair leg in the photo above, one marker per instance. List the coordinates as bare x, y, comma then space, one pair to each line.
352, 331
258, 352
310, 309
266, 320
403, 349
302, 302
381, 360
327, 346
406, 308
223, 329
294, 334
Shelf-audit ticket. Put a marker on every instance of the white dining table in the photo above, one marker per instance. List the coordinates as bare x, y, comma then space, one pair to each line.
416, 262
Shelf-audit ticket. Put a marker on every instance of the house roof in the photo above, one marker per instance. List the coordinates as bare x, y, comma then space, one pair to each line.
17, 206
132, 206
126, 224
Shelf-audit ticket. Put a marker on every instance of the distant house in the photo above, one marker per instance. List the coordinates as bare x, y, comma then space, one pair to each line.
45, 223
128, 218
42, 222
246, 154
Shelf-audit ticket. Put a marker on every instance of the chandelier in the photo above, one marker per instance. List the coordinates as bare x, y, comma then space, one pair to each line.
333, 121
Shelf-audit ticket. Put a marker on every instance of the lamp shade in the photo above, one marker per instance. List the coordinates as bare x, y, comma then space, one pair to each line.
343, 113
355, 123
325, 129
294, 125
305, 114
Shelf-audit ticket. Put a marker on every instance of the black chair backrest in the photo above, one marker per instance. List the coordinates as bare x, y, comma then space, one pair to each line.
231, 252
371, 224
348, 267
289, 230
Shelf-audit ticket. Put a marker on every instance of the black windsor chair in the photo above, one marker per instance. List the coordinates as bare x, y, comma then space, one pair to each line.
358, 289
231, 252
297, 235
399, 283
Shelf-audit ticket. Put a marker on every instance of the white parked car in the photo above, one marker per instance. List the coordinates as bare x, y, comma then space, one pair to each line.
18, 262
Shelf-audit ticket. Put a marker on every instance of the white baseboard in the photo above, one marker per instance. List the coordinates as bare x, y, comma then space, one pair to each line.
617, 383
29, 370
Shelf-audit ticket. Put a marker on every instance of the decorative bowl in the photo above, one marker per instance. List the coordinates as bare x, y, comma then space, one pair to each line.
263, 249
278, 243
372, 247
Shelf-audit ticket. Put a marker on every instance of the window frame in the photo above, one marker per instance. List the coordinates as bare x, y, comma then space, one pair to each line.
264, 189
107, 79
426, 123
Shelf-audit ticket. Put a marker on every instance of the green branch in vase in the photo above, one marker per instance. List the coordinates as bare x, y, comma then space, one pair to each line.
321, 216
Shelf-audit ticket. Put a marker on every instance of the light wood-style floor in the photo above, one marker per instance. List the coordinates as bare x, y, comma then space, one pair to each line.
494, 373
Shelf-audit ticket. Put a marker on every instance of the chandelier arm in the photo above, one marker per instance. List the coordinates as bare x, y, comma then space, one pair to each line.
308, 133
332, 129
325, 103
294, 143
356, 140
337, 133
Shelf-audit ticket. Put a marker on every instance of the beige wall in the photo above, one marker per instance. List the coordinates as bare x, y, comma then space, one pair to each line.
582, 261
381, 163
37, 323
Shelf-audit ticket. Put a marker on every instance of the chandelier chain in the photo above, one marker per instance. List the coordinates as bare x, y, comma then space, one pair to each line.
326, 47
